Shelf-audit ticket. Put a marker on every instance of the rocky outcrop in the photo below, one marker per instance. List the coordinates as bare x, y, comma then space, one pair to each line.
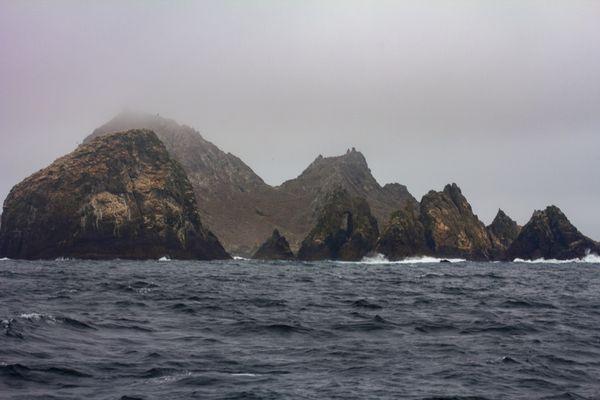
443, 226
228, 192
503, 231
549, 234
345, 229
451, 228
117, 196
274, 248
404, 235
242, 209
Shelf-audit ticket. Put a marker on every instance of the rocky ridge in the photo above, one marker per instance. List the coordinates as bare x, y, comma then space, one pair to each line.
240, 207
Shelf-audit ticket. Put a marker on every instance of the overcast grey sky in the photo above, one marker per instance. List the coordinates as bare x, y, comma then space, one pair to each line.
502, 97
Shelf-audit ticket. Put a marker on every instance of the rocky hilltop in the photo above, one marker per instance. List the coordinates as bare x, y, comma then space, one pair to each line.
345, 229
116, 196
274, 248
239, 207
549, 234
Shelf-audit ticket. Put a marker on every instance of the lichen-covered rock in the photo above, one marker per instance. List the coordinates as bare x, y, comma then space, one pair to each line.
345, 230
274, 248
451, 228
117, 196
549, 234
403, 236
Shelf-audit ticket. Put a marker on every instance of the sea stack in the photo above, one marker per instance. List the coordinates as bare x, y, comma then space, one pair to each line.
116, 196
274, 248
549, 234
442, 225
345, 230
451, 228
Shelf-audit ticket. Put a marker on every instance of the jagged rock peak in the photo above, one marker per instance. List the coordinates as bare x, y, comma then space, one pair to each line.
549, 234
504, 227
274, 248
117, 196
451, 228
345, 229
351, 159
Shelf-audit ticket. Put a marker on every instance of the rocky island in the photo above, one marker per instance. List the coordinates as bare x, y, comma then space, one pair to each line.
141, 184
117, 196
549, 234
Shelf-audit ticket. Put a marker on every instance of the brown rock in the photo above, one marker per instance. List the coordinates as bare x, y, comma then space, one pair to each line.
345, 230
451, 228
549, 234
118, 196
240, 208
274, 248
503, 231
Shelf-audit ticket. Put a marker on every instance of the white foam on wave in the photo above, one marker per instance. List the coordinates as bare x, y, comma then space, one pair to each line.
381, 259
589, 258
244, 374
238, 258
36, 317
164, 258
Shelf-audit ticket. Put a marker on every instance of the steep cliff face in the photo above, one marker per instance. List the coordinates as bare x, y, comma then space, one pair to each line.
117, 196
404, 235
345, 229
240, 208
503, 231
549, 234
274, 248
451, 228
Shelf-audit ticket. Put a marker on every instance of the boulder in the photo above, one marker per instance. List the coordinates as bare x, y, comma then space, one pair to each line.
345, 229
116, 196
274, 248
549, 234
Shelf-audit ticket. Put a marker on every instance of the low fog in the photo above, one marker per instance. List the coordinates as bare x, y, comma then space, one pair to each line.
502, 97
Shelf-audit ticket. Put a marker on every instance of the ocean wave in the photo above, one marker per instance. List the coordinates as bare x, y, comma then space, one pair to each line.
164, 258
37, 317
5, 259
238, 258
381, 259
589, 258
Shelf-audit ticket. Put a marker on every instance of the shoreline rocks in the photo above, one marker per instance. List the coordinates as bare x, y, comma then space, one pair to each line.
549, 234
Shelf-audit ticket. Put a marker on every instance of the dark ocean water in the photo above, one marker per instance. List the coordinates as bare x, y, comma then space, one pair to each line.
255, 330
